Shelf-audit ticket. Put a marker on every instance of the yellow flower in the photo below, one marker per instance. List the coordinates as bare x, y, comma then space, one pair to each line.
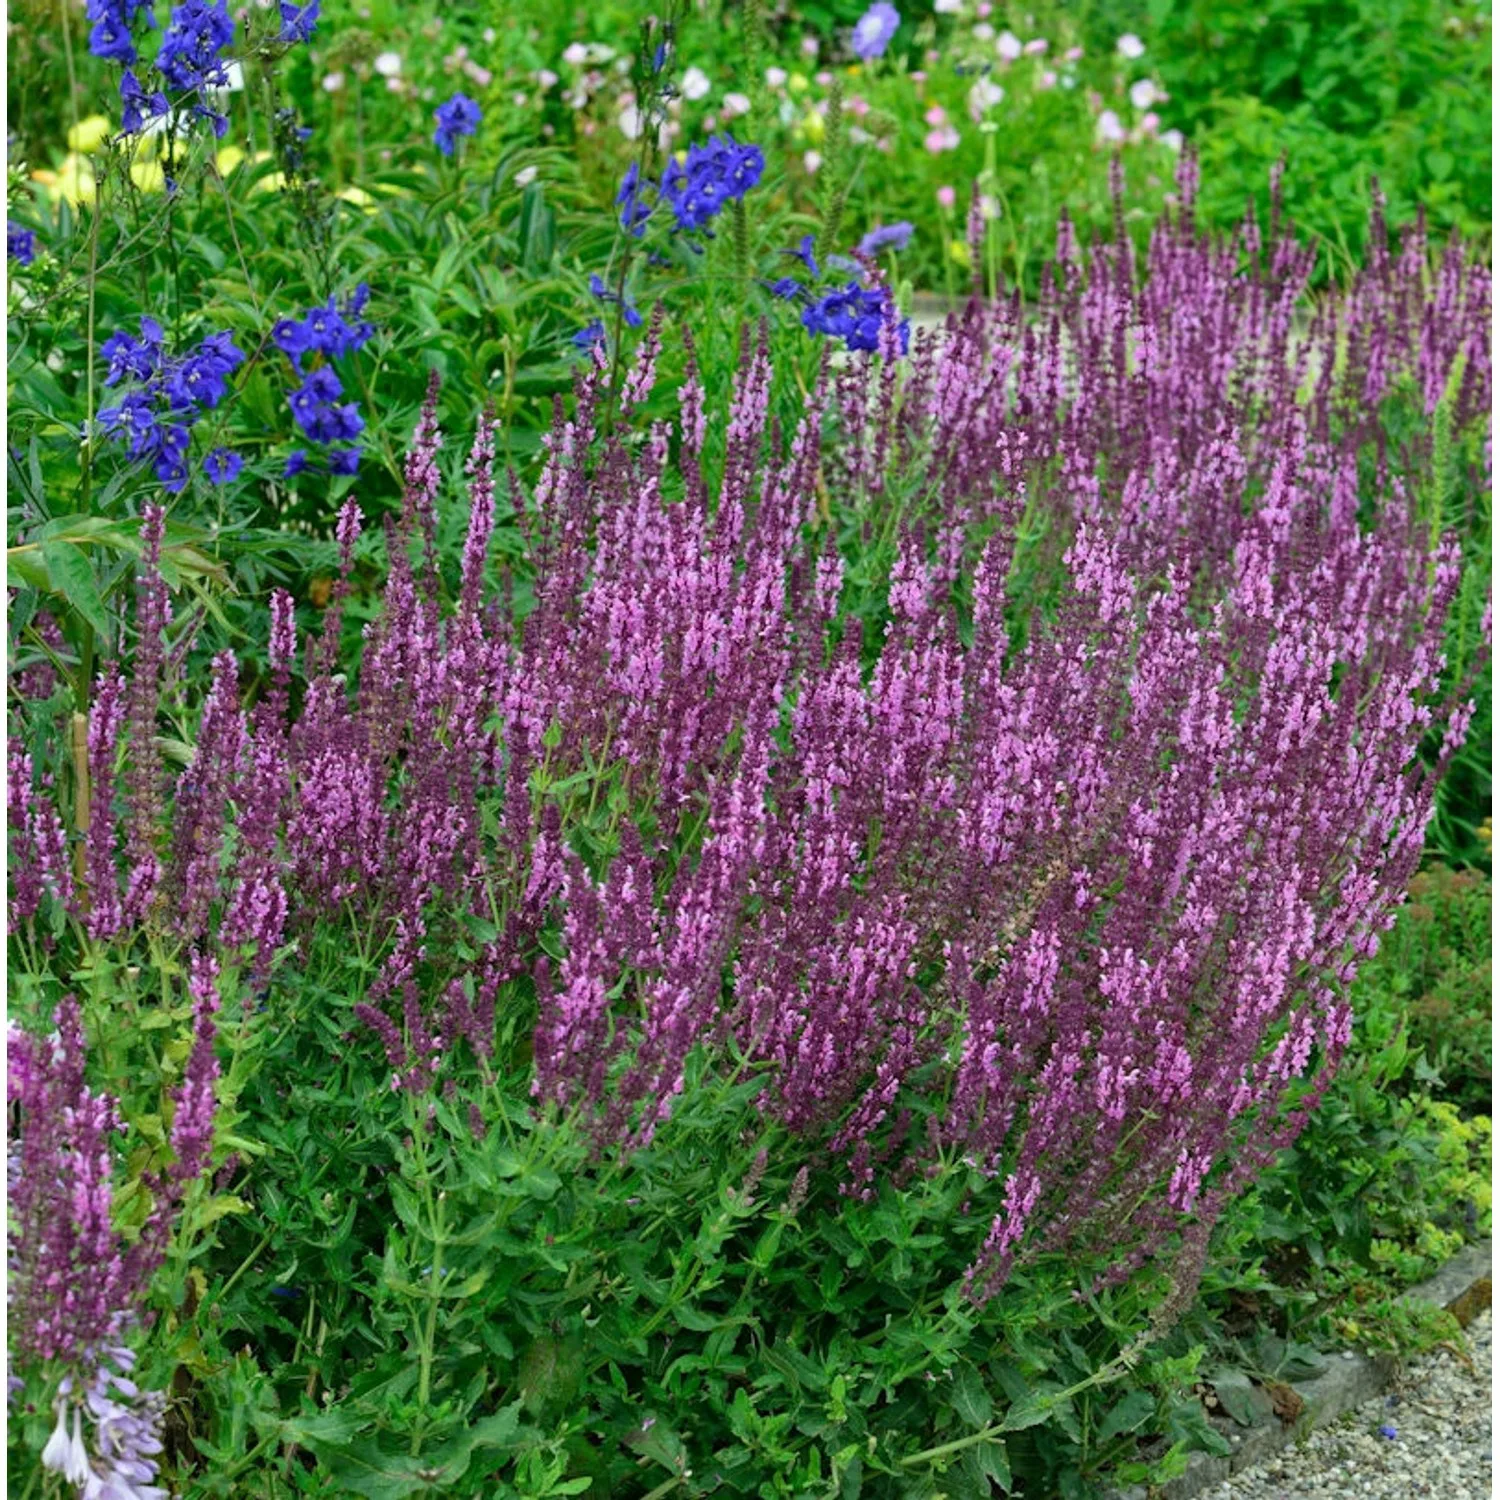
148, 176
359, 198
796, 84
270, 184
88, 135
814, 128
228, 159
73, 180
958, 253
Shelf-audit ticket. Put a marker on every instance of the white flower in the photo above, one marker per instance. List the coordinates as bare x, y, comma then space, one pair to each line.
695, 84
1130, 45
483, 77
989, 206
1143, 93
525, 175
776, 77
576, 55
546, 78
811, 161
65, 1454
984, 32
388, 64
1172, 139
735, 104
490, 34
948, 7
632, 122
333, 82
1008, 45
983, 97
1109, 127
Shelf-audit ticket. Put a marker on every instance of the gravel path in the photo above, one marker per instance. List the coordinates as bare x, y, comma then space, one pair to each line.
1440, 1414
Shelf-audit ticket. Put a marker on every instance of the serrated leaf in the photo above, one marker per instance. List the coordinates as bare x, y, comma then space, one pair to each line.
971, 1400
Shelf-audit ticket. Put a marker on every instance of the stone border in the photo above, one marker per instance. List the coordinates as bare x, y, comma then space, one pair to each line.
1462, 1287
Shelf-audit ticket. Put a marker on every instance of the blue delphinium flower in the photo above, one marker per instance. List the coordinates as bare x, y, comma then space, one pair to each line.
137, 107
296, 462
886, 237
633, 212
804, 253
589, 335
1387, 1430
131, 356
332, 330
459, 116
786, 288
854, 315
110, 37
343, 460
223, 465
155, 422
190, 46
603, 293
874, 30
713, 176
299, 23
20, 243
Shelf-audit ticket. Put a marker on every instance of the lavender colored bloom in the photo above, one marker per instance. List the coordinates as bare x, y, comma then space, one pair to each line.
874, 30
20, 243
887, 237
459, 116
223, 465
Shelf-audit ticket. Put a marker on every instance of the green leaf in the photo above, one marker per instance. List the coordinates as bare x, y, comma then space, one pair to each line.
988, 1462
1128, 1413
970, 1398
1236, 1394
70, 575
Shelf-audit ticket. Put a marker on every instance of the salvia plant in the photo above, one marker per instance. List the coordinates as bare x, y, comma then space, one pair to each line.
935, 840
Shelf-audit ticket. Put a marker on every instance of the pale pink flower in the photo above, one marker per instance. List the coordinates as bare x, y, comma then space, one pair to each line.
937, 115
946, 198
1008, 45
776, 77
944, 138
1072, 54
1130, 45
809, 46
1046, 79
1109, 127
811, 161
1036, 47
695, 83
1143, 93
576, 55
735, 104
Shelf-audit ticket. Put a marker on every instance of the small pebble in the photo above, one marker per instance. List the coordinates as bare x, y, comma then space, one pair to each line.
1441, 1448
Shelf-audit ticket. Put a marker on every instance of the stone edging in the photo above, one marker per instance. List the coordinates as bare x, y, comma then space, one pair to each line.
1462, 1287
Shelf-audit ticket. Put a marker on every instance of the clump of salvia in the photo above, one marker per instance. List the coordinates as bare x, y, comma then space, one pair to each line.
1061, 864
